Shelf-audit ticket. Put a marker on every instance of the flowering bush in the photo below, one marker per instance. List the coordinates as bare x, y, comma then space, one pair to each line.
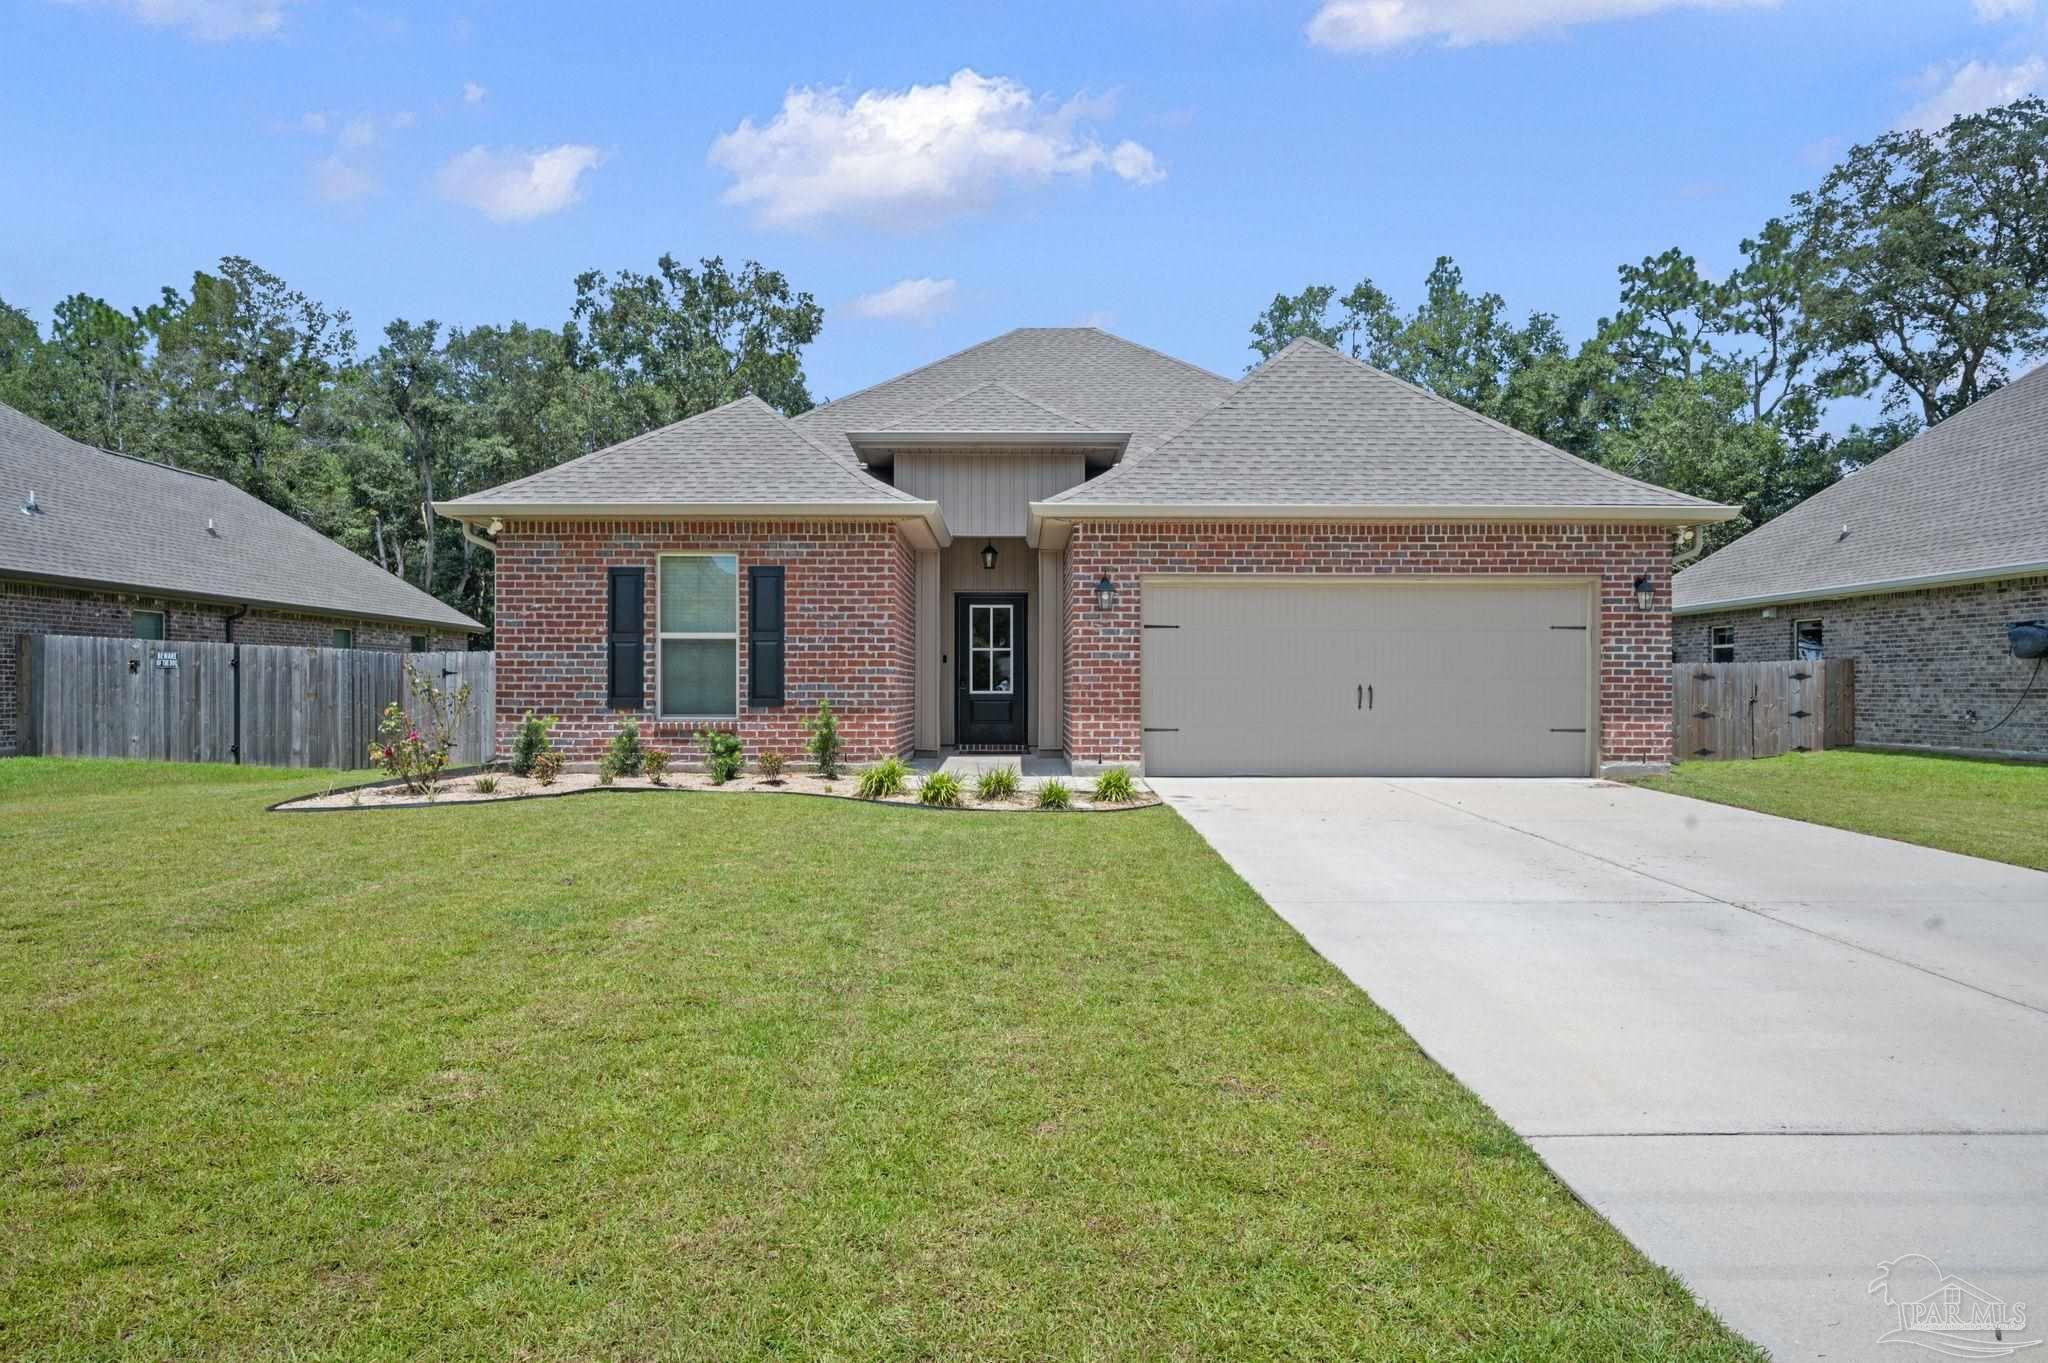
414, 749
547, 766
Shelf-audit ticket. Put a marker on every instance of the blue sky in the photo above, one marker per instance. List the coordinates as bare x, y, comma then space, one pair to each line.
1159, 169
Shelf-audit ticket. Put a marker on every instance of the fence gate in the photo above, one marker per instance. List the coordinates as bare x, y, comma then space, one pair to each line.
1736, 710
269, 704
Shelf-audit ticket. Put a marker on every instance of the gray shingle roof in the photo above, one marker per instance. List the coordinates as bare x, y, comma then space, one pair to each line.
744, 453
1311, 427
988, 406
110, 520
1969, 496
1089, 376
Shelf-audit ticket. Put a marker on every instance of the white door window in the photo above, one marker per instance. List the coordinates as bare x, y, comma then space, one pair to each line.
991, 654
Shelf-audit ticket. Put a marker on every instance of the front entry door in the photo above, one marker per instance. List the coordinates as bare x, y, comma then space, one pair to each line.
989, 671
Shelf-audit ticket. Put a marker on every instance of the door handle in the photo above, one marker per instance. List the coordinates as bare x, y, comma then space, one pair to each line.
1368, 698
1361, 695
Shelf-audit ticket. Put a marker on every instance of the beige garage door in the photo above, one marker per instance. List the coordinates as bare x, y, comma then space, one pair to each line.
1282, 677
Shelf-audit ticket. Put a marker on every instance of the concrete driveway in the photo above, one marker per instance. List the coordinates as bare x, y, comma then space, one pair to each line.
1774, 1055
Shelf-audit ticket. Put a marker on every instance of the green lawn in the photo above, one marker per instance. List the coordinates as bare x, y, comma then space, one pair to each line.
729, 1077
1985, 809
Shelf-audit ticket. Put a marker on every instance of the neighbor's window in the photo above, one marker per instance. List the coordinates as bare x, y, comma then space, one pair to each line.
344, 638
1806, 639
419, 643
146, 624
1723, 645
698, 670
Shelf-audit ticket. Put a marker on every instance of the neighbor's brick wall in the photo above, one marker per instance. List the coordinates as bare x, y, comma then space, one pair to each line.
1931, 665
849, 620
43, 608
1102, 722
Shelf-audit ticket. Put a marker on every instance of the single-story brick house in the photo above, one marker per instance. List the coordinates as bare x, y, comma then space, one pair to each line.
1914, 566
1061, 541
99, 543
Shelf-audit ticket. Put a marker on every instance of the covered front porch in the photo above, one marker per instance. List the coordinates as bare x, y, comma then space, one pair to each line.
990, 612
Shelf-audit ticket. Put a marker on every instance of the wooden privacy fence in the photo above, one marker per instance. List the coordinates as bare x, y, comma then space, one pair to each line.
274, 705
1730, 710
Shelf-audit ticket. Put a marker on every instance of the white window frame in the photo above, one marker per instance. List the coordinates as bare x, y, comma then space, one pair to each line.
1718, 638
1009, 608
163, 625
1819, 624
734, 636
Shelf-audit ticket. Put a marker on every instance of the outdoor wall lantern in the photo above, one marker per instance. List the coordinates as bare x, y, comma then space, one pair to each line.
988, 556
1646, 594
1105, 593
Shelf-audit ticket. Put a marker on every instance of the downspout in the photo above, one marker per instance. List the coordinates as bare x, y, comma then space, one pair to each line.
1699, 542
488, 545
227, 623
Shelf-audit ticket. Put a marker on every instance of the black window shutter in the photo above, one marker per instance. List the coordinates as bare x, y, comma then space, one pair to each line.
626, 639
764, 636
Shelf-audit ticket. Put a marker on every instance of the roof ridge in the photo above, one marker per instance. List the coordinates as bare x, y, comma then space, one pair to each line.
902, 423
1485, 420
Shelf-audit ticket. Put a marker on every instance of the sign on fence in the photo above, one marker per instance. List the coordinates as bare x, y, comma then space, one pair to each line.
276, 705
1731, 710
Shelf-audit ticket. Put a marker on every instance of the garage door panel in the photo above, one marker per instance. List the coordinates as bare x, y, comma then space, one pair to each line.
1271, 678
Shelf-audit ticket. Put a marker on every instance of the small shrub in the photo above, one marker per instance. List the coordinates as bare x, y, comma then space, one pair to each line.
1113, 787
654, 765
883, 779
770, 764
487, 785
997, 783
1053, 794
941, 789
723, 757
625, 756
531, 742
414, 751
606, 772
547, 766
823, 743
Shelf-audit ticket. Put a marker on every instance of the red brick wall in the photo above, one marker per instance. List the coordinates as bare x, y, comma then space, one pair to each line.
849, 629
41, 608
1102, 648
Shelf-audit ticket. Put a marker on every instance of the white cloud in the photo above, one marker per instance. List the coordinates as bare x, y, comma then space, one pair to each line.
1102, 319
339, 181
1972, 88
472, 93
907, 300
907, 158
513, 186
314, 122
1366, 25
358, 132
1991, 11
213, 20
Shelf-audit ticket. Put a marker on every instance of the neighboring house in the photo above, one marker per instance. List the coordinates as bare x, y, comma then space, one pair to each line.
98, 543
1058, 540
1913, 566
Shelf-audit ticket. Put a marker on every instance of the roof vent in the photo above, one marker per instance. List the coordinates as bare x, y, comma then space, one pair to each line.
209, 528
1845, 533
31, 507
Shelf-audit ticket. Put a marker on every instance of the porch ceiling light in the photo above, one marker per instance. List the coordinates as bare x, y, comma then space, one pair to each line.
988, 556
1105, 593
1646, 592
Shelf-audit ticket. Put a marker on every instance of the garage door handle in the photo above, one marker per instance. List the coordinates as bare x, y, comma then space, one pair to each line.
1361, 695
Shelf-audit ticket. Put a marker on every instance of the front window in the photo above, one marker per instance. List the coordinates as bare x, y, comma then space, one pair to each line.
698, 672
991, 659
1806, 638
146, 624
1723, 645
